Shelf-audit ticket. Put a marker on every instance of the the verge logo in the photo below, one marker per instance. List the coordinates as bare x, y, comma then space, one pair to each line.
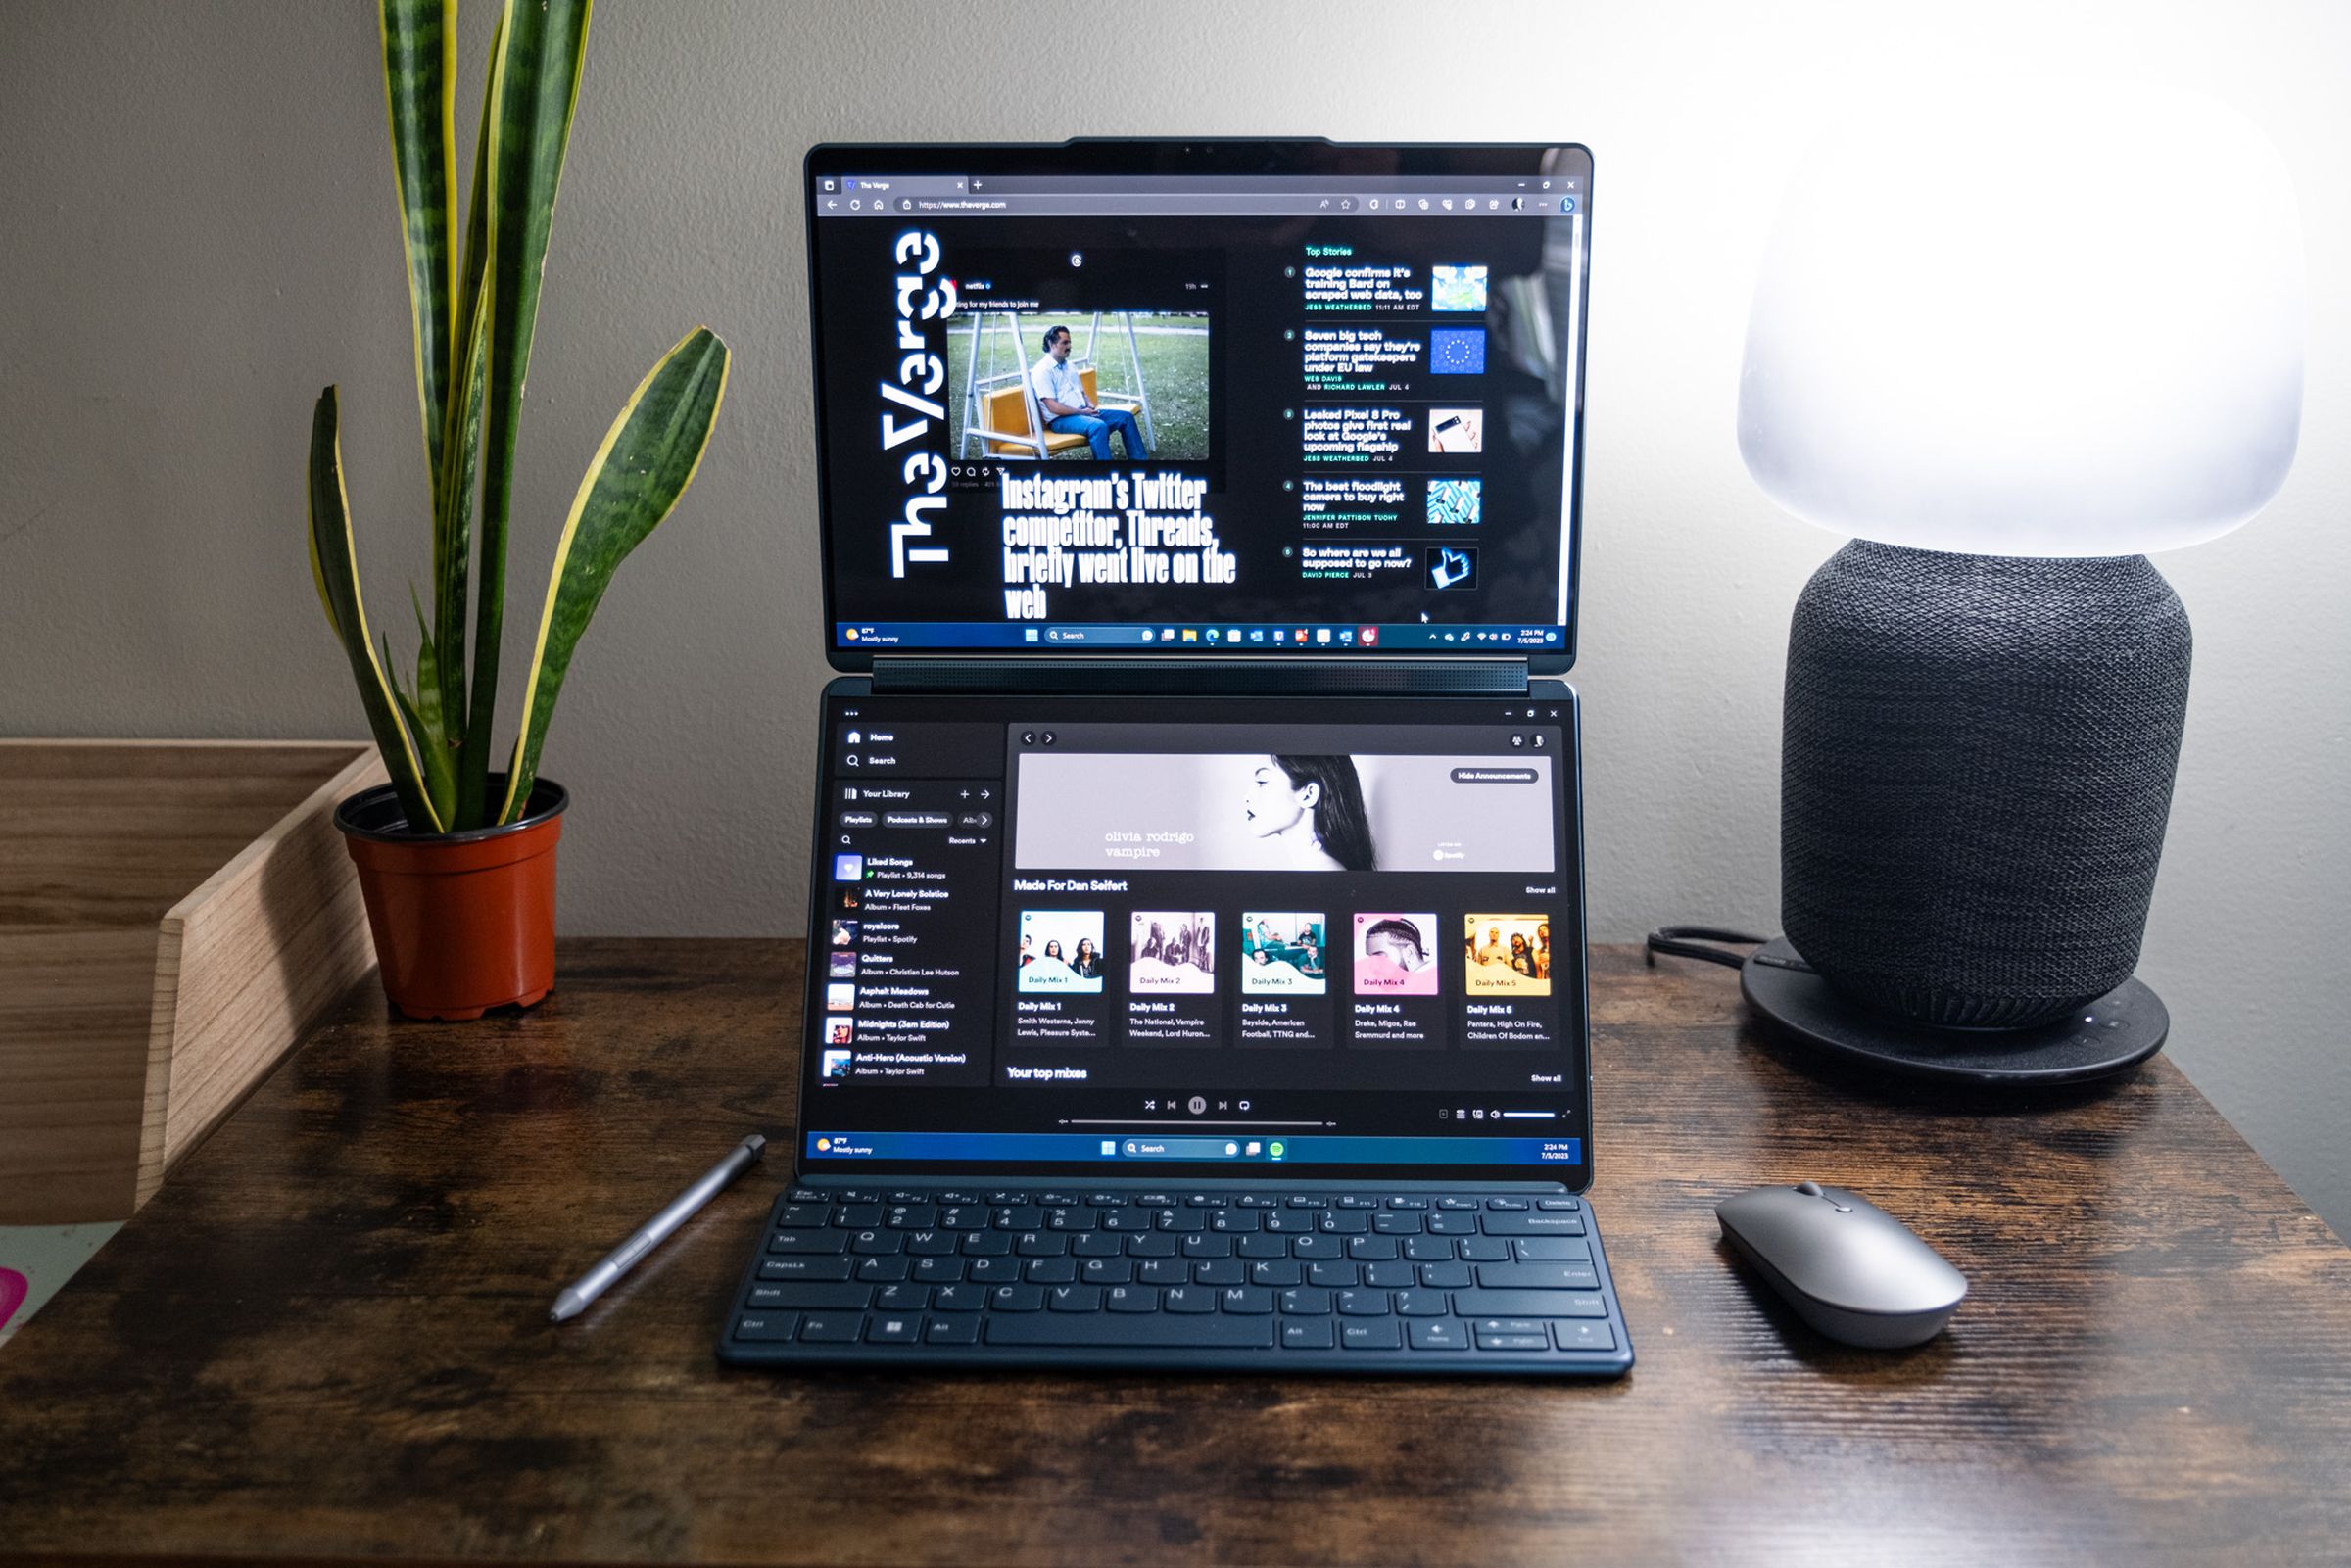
921, 376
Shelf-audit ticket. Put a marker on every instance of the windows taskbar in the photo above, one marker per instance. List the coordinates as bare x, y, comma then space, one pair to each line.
1200, 637
1142, 1149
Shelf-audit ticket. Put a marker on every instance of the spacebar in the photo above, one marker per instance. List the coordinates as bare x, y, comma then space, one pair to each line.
1160, 1330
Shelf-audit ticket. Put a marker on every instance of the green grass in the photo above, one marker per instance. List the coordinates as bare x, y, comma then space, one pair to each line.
1174, 369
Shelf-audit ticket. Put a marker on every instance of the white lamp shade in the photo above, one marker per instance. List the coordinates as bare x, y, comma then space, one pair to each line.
2058, 317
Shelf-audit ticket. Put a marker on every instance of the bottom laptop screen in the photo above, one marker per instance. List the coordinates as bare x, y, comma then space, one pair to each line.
1159, 937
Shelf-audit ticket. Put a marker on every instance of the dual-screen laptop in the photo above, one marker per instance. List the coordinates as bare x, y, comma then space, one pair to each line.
1196, 968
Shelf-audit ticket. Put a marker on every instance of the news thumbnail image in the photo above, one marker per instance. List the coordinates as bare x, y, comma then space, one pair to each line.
1283, 954
1172, 950
1060, 950
1134, 384
1507, 955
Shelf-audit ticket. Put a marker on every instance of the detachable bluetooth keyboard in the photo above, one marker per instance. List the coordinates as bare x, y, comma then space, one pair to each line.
1396, 1280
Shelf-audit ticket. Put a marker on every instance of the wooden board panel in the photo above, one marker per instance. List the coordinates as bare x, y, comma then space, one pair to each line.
111, 854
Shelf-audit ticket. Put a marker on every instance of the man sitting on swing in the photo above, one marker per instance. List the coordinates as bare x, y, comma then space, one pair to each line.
1061, 393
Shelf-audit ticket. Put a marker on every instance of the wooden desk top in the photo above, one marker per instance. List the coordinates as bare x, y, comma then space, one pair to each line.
328, 1336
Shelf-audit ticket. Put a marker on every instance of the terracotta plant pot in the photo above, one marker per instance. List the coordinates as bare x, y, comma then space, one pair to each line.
462, 921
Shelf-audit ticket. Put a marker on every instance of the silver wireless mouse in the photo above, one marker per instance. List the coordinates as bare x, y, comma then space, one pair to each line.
1850, 1269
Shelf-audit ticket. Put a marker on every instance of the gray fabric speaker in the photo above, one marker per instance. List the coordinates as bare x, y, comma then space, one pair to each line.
1977, 754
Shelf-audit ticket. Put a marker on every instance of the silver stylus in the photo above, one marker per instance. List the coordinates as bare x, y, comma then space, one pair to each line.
589, 1286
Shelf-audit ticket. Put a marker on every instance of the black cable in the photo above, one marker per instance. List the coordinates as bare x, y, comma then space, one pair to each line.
1682, 941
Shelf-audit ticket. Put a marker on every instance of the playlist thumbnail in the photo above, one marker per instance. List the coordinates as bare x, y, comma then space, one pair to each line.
837, 1064
1172, 950
1456, 430
1283, 954
1457, 288
844, 933
848, 868
1394, 955
1061, 950
1507, 955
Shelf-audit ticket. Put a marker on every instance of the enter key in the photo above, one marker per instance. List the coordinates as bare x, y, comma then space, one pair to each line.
1538, 1276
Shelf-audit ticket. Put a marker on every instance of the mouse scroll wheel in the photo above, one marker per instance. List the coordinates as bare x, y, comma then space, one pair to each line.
1810, 1189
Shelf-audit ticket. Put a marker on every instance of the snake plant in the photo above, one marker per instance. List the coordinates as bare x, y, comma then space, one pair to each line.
473, 311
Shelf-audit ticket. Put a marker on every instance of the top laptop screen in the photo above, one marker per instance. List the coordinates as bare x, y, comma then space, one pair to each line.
1262, 399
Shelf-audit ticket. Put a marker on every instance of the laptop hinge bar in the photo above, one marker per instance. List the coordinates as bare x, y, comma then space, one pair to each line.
1438, 677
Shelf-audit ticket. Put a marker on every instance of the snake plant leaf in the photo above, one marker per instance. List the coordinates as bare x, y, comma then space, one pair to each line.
646, 463
420, 67
331, 545
462, 438
433, 743
535, 86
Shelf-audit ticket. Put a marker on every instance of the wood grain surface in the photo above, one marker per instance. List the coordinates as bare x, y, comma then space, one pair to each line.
328, 1336
172, 915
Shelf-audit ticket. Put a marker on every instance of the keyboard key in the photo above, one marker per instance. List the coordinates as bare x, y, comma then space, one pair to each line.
1051, 1271
1343, 1223
1550, 1249
1042, 1244
932, 1243
1452, 1224
1189, 1299
901, 1298
994, 1270
883, 1330
1430, 1248
1007, 1197
1017, 1298
952, 1331
1163, 1271
1458, 1204
1421, 1303
1308, 1334
1484, 1249
884, 1270
1277, 1275
938, 1271
1439, 1334
1584, 1336
808, 1241
1310, 1202
1132, 1299
1236, 1221
1158, 1331
1537, 1223
767, 1326
796, 1216
1074, 1298
1373, 1249
858, 1195
830, 1328
1527, 1303
1389, 1276
1396, 1225
1563, 1206
857, 1216
1378, 1334
1333, 1276
1115, 1271
1513, 1342
877, 1243
1445, 1277
958, 1297
1538, 1276
1519, 1205
1408, 1203
988, 1244
1362, 1304
1096, 1244
809, 1195
1247, 1300
912, 1217
1207, 1246
805, 1267
1149, 1245
1317, 1247
1220, 1271
1306, 1302
1355, 1201
839, 1295
1263, 1247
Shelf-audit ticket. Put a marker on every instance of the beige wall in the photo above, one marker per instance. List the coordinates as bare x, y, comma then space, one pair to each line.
197, 232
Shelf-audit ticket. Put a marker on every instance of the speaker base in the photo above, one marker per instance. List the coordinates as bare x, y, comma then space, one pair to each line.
2116, 1032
